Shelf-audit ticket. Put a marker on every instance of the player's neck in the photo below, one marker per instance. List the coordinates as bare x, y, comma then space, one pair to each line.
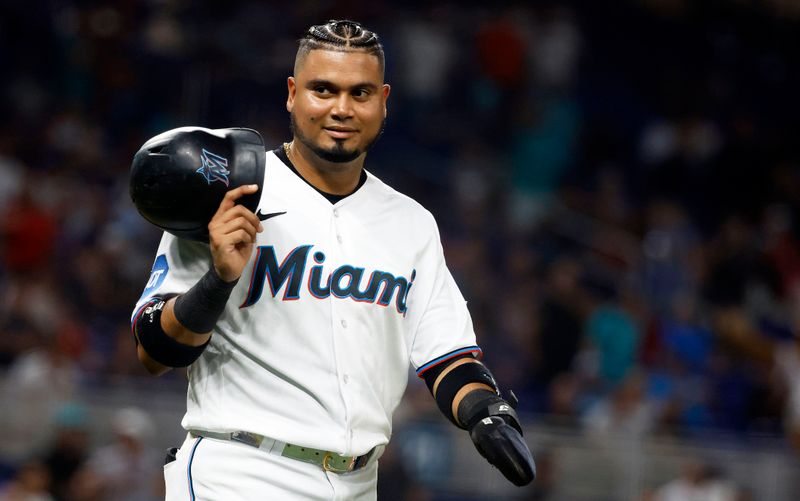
331, 177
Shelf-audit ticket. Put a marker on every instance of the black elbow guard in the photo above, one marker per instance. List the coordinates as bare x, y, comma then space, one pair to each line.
481, 404
157, 343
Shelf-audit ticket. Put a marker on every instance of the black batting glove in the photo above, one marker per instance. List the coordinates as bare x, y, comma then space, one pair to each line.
495, 430
502, 445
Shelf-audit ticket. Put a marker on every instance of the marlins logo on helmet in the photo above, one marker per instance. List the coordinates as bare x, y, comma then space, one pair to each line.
214, 168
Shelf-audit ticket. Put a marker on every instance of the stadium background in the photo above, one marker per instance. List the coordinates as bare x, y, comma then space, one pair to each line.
617, 190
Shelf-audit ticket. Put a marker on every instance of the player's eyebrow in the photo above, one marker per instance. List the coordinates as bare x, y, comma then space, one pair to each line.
321, 82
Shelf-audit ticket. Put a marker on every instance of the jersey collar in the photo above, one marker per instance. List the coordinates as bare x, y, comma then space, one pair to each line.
332, 198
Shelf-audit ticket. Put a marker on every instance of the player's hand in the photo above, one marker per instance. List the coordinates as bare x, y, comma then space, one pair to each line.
502, 445
232, 234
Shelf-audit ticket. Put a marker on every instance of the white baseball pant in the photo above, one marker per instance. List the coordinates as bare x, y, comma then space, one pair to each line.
207, 469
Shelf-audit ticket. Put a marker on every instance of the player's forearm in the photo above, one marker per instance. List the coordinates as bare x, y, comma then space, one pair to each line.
466, 389
177, 330
463, 392
467, 394
174, 331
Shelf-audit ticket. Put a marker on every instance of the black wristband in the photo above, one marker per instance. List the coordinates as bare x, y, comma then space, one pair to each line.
201, 306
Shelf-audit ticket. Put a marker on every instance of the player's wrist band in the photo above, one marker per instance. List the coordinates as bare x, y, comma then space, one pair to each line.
201, 306
158, 344
453, 381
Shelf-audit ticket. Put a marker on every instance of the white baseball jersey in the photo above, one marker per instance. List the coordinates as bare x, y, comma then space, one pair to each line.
315, 342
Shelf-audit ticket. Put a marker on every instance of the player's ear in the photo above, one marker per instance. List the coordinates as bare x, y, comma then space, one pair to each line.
386, 90
291, 85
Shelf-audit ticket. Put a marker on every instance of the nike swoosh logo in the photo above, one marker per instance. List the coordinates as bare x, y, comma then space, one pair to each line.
263, 217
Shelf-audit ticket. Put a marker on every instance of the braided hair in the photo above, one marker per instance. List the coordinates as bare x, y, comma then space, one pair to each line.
343, 36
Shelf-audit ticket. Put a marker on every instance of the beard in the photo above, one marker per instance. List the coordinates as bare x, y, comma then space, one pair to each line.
338, 153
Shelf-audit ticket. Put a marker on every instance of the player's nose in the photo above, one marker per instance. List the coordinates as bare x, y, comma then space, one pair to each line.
342, 107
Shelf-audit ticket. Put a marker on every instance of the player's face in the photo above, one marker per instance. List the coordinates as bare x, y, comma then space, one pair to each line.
337, 102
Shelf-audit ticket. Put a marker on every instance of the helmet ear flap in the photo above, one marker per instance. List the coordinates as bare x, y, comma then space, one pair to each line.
178, 178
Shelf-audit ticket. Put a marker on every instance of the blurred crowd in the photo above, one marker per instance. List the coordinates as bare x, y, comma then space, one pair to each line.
616, 185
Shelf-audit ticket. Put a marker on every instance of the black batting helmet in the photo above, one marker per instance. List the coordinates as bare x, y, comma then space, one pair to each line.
179, 177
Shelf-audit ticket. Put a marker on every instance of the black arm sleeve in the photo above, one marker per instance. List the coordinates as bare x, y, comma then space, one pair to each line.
433, 373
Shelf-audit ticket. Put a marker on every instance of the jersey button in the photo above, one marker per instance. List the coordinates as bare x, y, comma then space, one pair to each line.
344, 323
335, 212
346, 378
339, 238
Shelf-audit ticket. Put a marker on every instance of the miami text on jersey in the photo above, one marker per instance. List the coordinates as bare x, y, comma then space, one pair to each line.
343, 282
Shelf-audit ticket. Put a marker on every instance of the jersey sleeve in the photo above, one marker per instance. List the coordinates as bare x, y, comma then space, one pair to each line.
179, 264
440, 321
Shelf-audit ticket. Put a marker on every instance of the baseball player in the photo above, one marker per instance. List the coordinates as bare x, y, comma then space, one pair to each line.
298, 320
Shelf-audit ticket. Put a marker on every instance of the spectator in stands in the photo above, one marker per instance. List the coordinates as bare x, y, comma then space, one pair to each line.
69, 449
699, 481
29, 484
627, 411
126, 469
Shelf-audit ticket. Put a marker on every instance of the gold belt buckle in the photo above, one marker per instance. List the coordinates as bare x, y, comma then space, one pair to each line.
327, 467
